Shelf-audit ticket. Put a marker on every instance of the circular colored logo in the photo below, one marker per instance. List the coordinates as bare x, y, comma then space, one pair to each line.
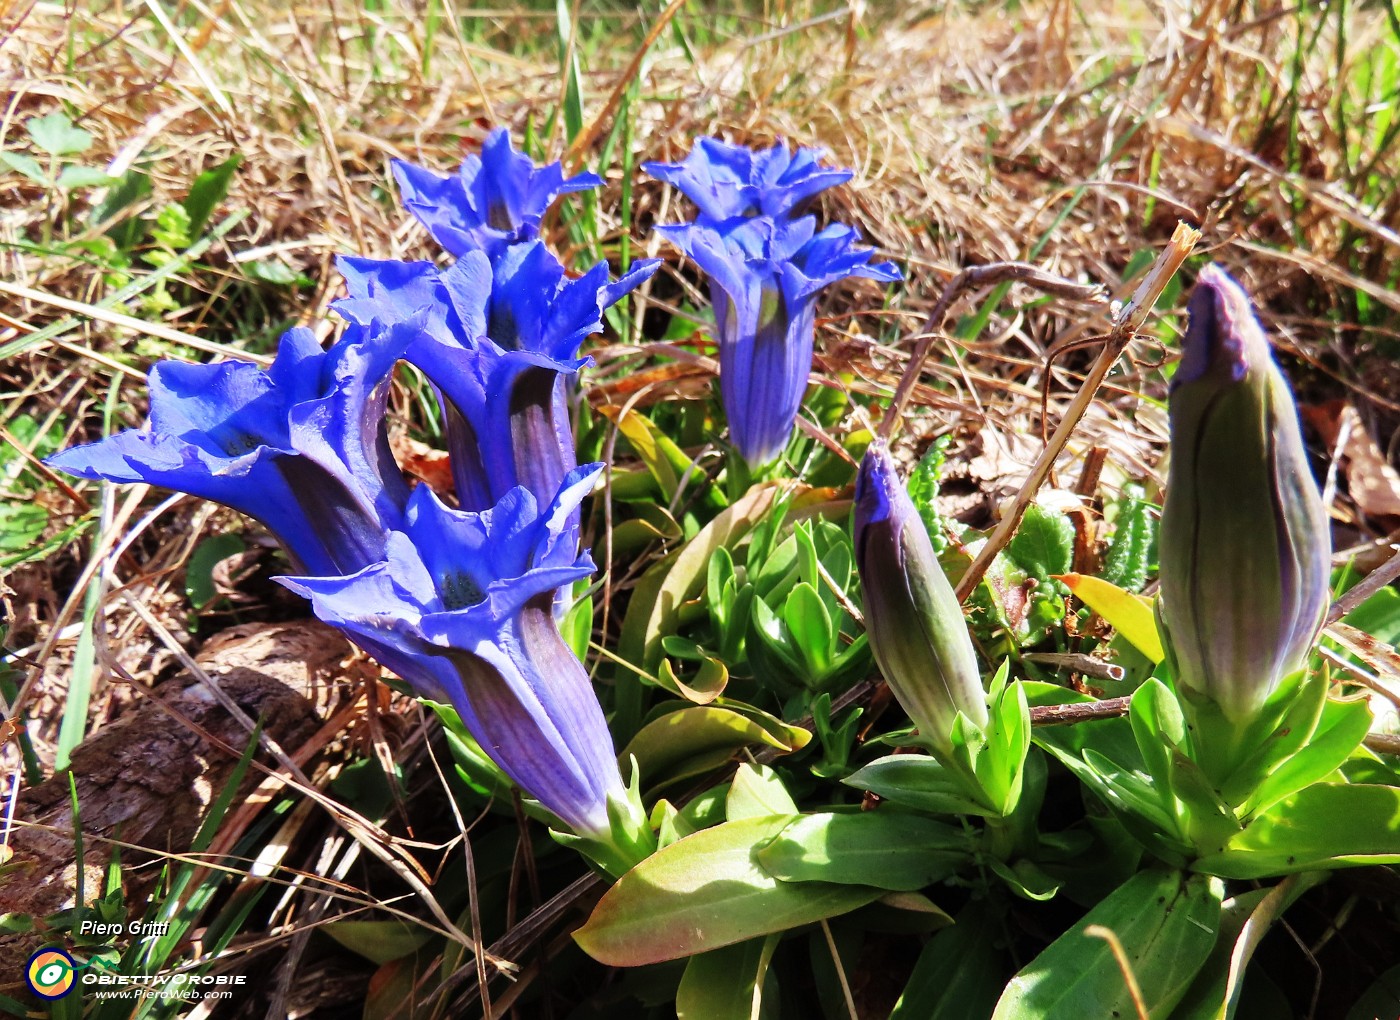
50, 973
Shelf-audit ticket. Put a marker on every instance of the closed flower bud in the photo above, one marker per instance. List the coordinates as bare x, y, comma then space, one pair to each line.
916, 625
1245, 545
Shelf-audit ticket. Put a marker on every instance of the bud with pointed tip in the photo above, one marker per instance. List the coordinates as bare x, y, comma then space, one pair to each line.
1245, 544
916, 625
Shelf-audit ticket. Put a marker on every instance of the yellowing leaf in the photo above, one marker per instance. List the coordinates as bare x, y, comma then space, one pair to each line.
1130, 615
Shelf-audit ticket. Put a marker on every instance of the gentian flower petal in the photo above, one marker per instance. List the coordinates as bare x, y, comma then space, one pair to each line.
301, 447
764, 279
462, 609
727, 181
495, 200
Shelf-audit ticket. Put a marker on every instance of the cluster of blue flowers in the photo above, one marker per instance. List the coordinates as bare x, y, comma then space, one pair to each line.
460, 602
766, 262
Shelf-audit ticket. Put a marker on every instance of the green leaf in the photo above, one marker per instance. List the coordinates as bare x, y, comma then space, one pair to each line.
1382, 999
379, 941
702, 687
705, 892
199, 572
1244, 921
1343, 726
1323, 827
133, 187
725, 984
694, 739
888, 849
662, 457
916, 781
28, 166
810, 626
959, 974
1129, 550
275, 272
71, 177
756, 792
22, 524
208, 190
1166, 923
654, 608
56, 134
1044, 543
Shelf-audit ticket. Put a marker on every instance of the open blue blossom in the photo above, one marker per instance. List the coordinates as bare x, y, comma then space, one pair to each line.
764, 278
495, 200
301, 447
726, 181
500, 342
461, 608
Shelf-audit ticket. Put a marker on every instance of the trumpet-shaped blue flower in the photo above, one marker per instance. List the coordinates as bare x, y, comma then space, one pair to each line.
726, 181
501, 340
495, 200
301, 447
461, 608
764, 278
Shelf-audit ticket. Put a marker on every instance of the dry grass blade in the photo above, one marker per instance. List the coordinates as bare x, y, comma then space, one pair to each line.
1125, 327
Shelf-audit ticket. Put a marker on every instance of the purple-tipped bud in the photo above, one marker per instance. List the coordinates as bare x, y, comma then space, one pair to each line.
912, 615
1245, 546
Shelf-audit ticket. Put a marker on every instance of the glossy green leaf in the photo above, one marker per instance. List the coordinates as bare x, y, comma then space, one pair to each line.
1339, 732
653, 610
1323, 827
884, 848
725, 984
915, 781
1244, 921
1166, 923
756, 792
199, 572
960, 972
693, 739
704, 892
701, 687
810, 626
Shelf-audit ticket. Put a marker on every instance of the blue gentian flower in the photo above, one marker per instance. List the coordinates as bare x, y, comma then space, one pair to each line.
462, 609
726, 181
301, 447
764, 278
495, 200
500, 343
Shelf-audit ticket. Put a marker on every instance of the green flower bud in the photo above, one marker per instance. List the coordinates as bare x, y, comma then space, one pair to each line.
1245, 544
916, 626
